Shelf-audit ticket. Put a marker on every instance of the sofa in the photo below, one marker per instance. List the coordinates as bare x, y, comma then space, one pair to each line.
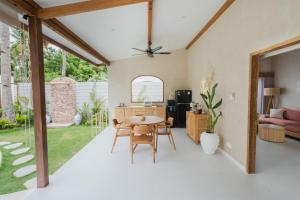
291, 122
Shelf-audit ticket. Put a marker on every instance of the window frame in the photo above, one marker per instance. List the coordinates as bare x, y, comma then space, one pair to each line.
163, 91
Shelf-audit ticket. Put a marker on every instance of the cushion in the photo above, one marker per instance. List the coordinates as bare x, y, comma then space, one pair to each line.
276, 113
290, 114
293, 128
280, 122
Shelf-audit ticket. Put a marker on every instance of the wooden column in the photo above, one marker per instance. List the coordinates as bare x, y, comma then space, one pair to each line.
38, 93
252, 114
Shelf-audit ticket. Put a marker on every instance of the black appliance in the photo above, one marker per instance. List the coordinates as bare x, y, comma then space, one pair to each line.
171, 110
183, 98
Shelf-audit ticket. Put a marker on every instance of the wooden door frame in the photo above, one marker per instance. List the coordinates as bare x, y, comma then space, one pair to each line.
252, 99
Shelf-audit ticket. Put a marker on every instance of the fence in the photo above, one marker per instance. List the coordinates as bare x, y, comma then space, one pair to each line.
83, 90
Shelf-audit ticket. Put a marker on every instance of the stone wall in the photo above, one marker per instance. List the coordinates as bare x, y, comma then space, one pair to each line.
63, 97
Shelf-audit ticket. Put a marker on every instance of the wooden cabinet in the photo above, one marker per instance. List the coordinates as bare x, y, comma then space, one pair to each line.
122, 113
196, 124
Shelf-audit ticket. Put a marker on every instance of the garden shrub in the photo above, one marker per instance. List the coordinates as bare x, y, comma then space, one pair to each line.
21, 119
4, 124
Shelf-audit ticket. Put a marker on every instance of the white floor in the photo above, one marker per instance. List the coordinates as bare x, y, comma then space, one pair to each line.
188, 173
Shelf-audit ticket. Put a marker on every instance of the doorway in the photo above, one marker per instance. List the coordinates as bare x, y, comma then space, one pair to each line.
252, 100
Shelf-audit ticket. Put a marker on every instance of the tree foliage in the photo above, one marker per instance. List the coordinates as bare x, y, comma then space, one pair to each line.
77, 69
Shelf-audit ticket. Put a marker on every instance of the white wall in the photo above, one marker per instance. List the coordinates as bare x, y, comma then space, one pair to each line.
247, 26
170, 68
287, 72
83, 90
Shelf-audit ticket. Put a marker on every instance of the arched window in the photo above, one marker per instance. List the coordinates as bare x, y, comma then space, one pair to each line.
147, 89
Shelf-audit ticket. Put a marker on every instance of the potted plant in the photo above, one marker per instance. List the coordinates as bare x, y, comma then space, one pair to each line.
210, 139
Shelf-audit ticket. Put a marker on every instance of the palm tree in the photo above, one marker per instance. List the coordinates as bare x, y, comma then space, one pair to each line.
20, 55
7, 102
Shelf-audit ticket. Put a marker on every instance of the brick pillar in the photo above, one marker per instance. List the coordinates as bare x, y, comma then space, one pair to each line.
63, 100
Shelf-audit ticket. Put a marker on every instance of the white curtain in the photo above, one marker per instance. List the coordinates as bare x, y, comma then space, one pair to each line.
260, 95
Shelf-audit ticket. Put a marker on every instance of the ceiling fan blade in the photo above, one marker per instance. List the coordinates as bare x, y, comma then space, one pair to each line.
165, 53
138, 54
138, 49
157, 48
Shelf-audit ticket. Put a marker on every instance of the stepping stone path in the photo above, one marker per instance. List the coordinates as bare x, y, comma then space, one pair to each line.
24, 171
13, 146
4, 143
23, 159
20, 151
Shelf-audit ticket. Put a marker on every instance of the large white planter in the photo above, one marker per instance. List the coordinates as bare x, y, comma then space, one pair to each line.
209, 142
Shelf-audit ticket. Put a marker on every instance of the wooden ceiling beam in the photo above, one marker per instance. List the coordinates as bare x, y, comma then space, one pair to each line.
150, 16
81, 7
30, 7
224, 7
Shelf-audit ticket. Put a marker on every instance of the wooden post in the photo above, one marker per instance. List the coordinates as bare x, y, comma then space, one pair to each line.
252, 118
38, 95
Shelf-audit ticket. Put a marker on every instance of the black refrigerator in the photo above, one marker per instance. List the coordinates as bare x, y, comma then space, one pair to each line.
183, 98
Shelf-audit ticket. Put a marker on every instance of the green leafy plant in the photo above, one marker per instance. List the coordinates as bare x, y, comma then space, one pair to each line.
97, 103
21, 119
208, 99
21, 105
4, 124
85, 113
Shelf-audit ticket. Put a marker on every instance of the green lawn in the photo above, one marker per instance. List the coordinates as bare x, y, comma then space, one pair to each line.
63, 143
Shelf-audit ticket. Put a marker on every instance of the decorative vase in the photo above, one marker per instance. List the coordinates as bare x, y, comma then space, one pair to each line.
209, 142
77, 119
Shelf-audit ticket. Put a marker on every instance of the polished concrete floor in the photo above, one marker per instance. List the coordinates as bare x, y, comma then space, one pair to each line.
95, 173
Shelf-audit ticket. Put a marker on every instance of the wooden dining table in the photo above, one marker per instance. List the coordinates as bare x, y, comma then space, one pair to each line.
146, 120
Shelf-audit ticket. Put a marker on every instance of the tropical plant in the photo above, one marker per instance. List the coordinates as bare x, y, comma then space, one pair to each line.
208, 99
85, 113
97, 103
20, 55
21, 105
21, 119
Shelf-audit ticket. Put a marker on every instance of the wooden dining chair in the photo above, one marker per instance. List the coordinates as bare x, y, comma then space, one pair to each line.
165, 129
142, 134
122, 130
